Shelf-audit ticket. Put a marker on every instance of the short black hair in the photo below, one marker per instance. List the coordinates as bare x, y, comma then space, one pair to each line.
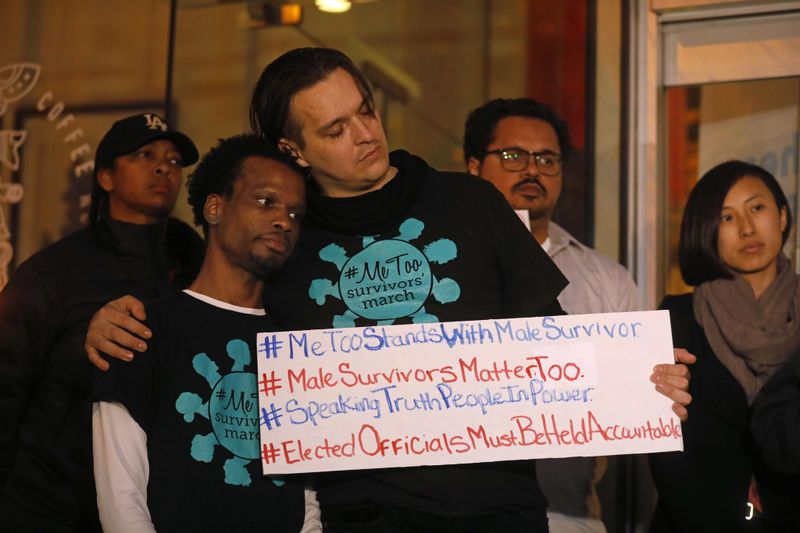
289, 74
219, 169
698, 255
482, 121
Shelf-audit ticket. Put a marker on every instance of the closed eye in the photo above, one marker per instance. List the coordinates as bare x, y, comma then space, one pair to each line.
367, 110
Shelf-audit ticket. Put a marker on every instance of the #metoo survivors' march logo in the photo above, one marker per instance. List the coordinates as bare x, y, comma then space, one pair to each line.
389, 278
232, 410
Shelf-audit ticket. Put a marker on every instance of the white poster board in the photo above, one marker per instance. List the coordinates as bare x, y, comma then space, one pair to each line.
464, 392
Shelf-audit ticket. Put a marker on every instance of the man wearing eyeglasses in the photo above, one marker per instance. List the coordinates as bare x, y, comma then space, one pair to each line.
519, 146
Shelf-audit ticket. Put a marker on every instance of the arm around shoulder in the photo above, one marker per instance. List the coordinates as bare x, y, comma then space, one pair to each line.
116, 330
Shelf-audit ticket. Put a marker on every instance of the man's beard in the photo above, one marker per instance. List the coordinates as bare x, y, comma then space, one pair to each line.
538, 213
266, 266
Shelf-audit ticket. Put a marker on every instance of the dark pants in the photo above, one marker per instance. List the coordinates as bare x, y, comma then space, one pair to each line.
14, 517
381, 518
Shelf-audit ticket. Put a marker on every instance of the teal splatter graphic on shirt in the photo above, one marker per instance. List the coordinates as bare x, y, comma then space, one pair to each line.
232, 410
388, 279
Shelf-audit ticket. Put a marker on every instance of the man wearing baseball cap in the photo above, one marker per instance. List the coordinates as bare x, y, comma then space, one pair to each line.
130, 247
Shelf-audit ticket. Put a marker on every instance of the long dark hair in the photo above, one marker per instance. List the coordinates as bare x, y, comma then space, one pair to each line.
98, 207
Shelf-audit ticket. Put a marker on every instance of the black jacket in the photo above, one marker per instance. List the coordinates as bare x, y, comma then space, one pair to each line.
45, 378
775, 427
776, 419
704, 488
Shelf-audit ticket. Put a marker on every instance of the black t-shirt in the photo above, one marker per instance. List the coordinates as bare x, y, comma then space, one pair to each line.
428, 246
194, 394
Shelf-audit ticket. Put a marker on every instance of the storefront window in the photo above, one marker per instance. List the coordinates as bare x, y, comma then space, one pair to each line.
755, 121
83, 64
68, 69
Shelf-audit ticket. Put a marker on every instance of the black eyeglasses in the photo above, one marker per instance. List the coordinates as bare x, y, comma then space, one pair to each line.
517, 159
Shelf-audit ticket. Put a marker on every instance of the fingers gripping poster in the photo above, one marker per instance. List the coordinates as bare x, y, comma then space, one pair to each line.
464, 392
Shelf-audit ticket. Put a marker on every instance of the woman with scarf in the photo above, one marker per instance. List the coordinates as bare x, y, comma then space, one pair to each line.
742, 324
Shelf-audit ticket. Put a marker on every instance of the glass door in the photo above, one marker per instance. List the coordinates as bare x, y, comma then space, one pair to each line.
709, 81
755, 121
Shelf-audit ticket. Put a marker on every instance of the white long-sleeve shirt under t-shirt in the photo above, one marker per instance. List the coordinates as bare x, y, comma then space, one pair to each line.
122, 470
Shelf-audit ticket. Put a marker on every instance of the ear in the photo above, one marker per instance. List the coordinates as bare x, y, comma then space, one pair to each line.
293, 149
212, 210
784, 221
104, 179
474, 166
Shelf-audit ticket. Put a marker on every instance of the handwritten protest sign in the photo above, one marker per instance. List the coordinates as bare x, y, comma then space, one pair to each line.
457, 392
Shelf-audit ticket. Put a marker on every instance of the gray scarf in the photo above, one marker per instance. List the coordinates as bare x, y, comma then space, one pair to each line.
751, 337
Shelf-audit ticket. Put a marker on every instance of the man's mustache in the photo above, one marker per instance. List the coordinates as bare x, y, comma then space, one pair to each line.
530, 181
